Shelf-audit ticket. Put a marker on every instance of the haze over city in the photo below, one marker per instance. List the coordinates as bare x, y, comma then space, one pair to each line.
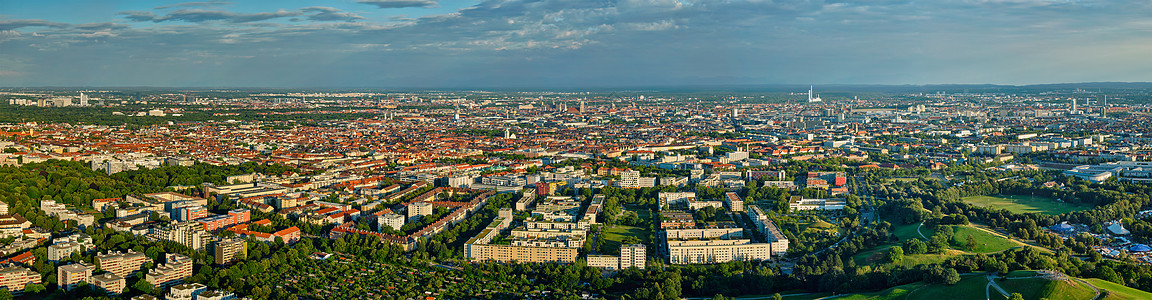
551, 43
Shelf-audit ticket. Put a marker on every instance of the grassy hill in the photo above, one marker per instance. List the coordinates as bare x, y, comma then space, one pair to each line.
974, 287
1114, 291
985, 242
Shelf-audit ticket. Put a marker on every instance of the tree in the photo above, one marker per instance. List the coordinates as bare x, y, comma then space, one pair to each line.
34, 288
895, 254
915, 246
5, 295
951, 277
971, 245
777, 296
1017, 296
143, 286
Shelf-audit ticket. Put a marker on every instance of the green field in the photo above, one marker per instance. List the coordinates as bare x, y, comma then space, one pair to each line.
613, 236
1116, 291
973, 287
985, 242
905, 232
1026, 204
969, 287
899, 292
876, 257
1038, 288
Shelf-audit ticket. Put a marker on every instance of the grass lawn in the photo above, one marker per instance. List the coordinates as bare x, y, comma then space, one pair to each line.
876, 257
613, 236
1039, 288
905, 232
969, 287
1117, 291
1026, 204
898, 292
641, 212
985, 242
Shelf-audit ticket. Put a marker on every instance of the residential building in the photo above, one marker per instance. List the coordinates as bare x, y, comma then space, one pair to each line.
394, 221
215, 295
633, 255
227, 251
15, 278
122, 264
111, 283
175, 269
419, 209
191, 234
799, 203
69, 276
716, 251
607, 262
733, 202
187, 291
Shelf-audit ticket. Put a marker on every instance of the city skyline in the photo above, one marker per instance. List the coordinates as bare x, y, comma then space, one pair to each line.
445, 44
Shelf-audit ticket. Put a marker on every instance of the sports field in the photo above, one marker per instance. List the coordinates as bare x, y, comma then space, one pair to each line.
1026, 204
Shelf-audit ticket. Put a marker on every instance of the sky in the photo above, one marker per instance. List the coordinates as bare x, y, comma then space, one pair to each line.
571, 43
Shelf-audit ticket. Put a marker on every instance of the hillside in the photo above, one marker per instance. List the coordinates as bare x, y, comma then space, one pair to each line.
1027, 283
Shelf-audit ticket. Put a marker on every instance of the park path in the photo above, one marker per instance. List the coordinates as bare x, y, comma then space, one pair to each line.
1094, 289
921, 233
992, 283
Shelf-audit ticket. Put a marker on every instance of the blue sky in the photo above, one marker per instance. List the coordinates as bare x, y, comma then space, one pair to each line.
575, 43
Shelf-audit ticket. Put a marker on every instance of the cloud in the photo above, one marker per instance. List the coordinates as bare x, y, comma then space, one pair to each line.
400, 3
194, 4
330, 14
606, 42
139, 16
317, 13
14, 24
101, 26
200, 15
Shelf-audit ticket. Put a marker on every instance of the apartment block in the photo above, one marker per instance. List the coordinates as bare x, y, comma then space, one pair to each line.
16, 278
716, 251
173, 271
111, 283
633, 255
122, 264
69, 276
227, 251
419, 209
187, 291
390, 220
191, 234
